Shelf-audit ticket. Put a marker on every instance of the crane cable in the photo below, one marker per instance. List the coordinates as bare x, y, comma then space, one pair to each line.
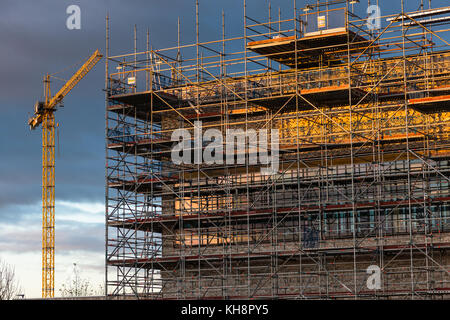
57, 140
69, 67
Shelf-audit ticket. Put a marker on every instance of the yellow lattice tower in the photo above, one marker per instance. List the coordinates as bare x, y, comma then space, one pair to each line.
44, 114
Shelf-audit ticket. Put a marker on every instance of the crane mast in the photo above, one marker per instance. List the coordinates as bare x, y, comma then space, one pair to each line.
48, 198
44, 113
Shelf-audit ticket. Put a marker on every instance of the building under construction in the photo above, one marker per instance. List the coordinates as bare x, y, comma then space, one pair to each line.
360, 108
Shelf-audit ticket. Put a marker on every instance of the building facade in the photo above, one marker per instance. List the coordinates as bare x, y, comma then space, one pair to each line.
353, 119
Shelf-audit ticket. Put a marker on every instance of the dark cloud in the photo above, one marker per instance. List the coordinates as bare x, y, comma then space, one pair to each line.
34, 40
80, 237
70, 237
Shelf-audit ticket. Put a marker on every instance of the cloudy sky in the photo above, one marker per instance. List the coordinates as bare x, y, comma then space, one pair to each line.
34, 40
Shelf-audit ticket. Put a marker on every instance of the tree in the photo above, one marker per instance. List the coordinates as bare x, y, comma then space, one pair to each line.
100, 290
76, 286
9, 286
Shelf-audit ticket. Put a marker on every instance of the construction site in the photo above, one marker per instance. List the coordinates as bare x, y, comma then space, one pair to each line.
361, 113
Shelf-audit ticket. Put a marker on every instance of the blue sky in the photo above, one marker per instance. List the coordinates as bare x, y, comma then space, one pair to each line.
35, 41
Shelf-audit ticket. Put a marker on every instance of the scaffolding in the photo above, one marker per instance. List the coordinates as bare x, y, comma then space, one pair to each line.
363, 177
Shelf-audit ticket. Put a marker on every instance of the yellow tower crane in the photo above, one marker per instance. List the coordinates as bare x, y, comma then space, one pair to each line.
44, 112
